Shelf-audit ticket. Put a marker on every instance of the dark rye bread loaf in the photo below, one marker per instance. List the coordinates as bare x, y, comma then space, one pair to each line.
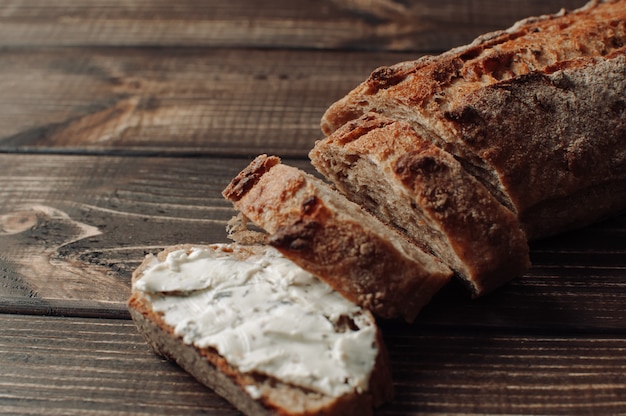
385, 166
319, 229
537, 113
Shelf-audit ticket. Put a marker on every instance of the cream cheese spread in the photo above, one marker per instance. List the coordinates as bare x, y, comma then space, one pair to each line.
265, 315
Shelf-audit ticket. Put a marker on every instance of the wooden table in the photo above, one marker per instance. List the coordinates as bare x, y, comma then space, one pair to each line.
121, 122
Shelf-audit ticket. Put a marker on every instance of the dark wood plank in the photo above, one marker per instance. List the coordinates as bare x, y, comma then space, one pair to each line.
74, 227
173, 100
502, 373
69, 366
415, 25
62, 366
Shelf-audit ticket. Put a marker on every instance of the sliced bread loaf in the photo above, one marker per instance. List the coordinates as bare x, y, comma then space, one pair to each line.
536, 113
385, 166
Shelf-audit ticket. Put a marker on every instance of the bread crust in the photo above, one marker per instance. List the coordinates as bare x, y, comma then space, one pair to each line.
384, 165
535, 112
573, 131
335, 239
212, 370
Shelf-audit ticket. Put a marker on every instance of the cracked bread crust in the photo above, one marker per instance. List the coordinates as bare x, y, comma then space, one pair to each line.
535, 112
320, 230
212, 370
552, 137
385, 166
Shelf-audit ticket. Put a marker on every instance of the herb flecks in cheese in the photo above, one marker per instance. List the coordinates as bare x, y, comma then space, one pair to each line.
265, 315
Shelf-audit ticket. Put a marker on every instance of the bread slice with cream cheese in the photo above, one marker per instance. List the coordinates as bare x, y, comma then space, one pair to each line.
322, 231
257, 329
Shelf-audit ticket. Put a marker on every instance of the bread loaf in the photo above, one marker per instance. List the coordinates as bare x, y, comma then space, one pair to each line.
536, 113
263, 333
320, 230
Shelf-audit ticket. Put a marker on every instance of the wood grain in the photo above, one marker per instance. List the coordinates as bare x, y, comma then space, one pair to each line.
177, 101
62, 366
500, 373
82, 366
415, 25
73, 228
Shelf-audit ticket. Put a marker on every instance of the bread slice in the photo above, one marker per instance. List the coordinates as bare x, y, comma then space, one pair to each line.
536, 112
385, 166
267, 336
368, 262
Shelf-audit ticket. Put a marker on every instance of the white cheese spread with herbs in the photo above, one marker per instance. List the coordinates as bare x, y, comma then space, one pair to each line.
264, 315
